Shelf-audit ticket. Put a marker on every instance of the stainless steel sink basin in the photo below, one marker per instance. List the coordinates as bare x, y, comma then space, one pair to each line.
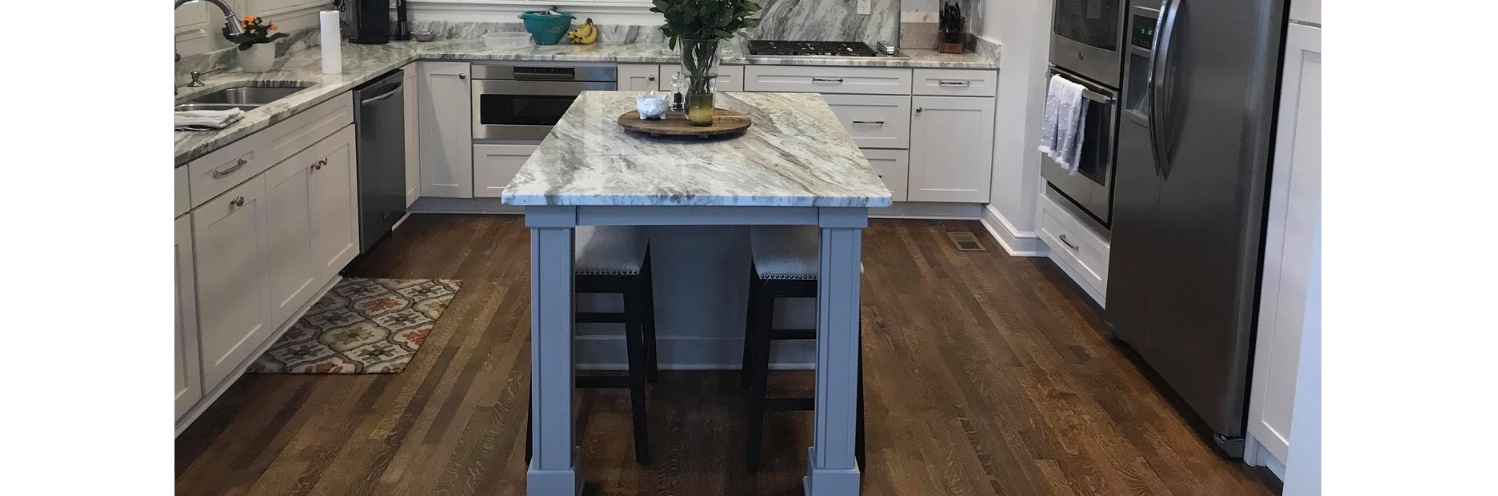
245, 97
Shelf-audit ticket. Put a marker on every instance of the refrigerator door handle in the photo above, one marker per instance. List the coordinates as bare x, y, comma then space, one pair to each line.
1159, 61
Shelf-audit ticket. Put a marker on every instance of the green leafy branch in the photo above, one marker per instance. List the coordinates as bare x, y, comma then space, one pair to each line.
704, 19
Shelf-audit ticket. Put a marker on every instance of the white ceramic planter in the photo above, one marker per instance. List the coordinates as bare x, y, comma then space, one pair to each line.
259, 58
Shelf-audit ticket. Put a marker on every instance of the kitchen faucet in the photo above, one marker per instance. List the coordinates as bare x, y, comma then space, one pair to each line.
231, 20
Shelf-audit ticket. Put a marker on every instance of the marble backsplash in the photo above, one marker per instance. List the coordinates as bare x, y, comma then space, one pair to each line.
828, 20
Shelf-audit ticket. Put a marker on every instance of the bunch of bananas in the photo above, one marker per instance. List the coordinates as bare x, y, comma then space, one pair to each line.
585, 34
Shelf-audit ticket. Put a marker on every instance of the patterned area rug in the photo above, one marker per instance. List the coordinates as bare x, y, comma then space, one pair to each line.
361, 326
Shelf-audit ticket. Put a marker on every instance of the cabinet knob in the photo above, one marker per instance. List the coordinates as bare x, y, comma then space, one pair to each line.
652, 78
462, 75
238, 202
918, 110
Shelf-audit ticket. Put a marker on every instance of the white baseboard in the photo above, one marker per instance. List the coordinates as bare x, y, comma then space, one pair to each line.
692, 353
1015, 242
434, 205
928, 210
212, 396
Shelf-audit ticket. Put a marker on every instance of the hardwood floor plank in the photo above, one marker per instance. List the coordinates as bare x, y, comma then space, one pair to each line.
986, 374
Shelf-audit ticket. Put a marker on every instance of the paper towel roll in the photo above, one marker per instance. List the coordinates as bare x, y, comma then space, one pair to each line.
332, 39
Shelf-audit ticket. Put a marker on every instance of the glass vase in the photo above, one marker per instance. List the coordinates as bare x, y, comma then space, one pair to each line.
699, 66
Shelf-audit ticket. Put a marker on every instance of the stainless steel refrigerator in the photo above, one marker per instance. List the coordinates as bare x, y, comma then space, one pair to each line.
1199, 85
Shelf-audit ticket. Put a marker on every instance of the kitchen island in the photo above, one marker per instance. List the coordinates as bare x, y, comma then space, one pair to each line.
795, 166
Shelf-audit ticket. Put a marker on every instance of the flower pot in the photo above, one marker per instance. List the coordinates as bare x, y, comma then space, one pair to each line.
259, 58
699, 65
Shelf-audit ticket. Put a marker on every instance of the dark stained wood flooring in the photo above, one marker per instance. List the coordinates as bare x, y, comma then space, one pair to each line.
986, 374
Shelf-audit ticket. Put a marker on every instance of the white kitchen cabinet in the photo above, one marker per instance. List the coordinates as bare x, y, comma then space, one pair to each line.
495, 165
189, 378
819, 79
335, 205
234, 314
409, 79
1075, 248
288, 233
955, 82
730, 77
638, 77
951, 149
874, 121
1289, 243
893, 167
183, 202
446, 130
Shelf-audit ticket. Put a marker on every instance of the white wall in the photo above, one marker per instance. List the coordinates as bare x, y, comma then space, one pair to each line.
1022, 28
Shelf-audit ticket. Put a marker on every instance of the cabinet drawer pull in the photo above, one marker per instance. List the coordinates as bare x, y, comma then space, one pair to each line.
826, 80
237, 202
1067, 243
951, 83
221, 173
881, 123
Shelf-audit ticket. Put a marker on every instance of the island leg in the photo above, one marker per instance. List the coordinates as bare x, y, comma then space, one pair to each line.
833, 469
553, 467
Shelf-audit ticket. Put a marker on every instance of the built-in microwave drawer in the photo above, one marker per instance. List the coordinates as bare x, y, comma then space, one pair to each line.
955, 82
874, 121
820, 79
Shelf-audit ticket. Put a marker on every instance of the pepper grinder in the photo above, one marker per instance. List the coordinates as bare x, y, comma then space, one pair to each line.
402, 26
676, 99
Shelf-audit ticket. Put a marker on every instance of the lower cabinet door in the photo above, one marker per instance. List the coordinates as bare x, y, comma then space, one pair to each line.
335, 205
289, 225
495, 165
951, 149
189, 378
233, 278
893, 166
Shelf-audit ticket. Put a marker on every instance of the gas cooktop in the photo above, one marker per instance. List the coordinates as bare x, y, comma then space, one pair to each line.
811, 48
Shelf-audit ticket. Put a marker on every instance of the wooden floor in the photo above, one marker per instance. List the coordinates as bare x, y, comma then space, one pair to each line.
986, 374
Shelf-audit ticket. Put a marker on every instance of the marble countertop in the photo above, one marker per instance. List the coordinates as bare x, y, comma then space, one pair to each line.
795, 154
362, 63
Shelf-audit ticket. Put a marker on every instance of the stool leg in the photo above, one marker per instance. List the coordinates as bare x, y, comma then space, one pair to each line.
653, 372
746, 374
528, 399
634, 334
760, 368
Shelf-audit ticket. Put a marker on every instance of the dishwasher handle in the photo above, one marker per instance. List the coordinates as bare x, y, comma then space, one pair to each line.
398, 86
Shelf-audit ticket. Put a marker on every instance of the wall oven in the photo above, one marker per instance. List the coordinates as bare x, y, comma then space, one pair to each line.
1086, 38
522, 103
1091, 187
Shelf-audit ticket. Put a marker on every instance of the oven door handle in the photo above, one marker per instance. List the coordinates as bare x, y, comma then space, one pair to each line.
1159, 63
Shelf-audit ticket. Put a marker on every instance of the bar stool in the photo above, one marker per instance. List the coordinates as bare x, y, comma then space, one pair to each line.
617, 260
786, 265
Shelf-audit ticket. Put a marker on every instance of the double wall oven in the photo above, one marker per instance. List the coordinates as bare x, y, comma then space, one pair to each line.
523, 102
1087, 42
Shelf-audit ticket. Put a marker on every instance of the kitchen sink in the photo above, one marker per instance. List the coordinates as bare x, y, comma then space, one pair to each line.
244, 97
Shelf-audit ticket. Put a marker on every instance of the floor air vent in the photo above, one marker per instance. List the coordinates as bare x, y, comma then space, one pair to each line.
965, 241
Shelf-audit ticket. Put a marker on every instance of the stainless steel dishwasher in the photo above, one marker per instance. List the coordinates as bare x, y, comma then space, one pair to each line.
380, 117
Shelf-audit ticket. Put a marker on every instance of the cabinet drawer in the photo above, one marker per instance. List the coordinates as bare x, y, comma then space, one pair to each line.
307, 128
495, 165
1075, 245
182, 203
874, 121
893, 166
216, 172
813, 79
730, 77
955, 82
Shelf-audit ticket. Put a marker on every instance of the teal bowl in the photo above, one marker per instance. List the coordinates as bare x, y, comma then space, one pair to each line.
547, 29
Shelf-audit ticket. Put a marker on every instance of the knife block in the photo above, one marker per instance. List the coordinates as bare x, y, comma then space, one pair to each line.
958, 47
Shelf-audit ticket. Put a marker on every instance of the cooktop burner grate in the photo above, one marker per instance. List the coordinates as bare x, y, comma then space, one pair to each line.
812, 48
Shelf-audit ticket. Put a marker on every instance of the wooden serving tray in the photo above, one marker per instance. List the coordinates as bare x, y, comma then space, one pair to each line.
676, 124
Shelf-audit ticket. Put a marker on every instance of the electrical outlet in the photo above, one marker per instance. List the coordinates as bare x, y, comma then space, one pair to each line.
864, 7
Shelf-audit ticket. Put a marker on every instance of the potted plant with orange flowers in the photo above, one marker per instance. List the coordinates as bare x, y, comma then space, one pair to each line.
257, 46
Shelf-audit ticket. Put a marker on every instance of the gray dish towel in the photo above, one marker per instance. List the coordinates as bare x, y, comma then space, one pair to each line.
1062, 130
206, 120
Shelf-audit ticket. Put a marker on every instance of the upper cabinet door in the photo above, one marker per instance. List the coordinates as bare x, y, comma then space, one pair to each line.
413, 146
288, 206
951, 149
446, 130
233, 298
335, 204
189, 378
638, 77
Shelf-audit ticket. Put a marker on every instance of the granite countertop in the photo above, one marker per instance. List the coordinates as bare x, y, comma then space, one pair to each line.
362, 63
796, 153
